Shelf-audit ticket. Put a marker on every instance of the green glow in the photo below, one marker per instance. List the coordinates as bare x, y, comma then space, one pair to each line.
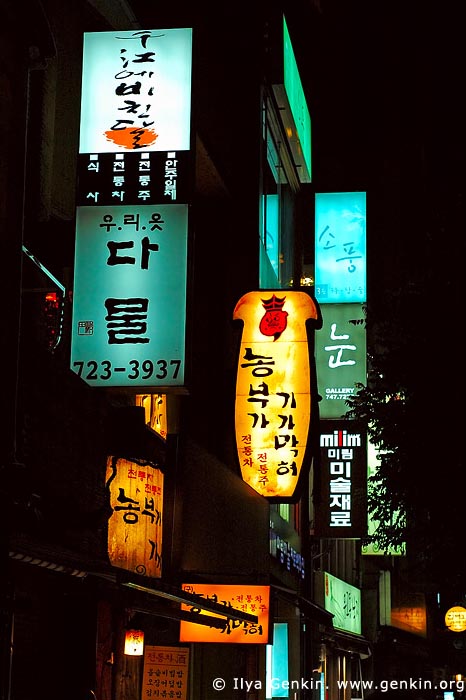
344, 602
298, 105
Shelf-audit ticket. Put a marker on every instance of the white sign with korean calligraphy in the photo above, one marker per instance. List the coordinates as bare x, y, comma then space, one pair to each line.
273, 389
340, 357
129, 300
344, 602
136, 91
135, 526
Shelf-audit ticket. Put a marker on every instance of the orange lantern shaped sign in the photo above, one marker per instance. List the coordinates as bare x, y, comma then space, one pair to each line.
134, 643
273, 389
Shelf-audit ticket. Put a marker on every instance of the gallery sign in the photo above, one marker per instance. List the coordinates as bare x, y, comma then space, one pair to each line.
129, 300
340, 351
340, 247
135, 490
254, 600
273, 389
136, 91
341, 508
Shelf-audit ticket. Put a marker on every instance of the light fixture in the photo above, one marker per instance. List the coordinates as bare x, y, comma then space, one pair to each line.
134, 643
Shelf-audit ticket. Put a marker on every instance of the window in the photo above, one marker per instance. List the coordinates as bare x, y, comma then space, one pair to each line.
276, 206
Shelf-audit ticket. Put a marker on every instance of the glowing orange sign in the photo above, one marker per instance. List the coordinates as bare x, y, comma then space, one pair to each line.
273, 389
455, 618
135, 526
411, 619
254, 600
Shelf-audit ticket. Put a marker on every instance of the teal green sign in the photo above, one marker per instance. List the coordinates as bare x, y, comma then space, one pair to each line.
300, 140
129, 298
344, 602
340, 247
277, 663
340, 352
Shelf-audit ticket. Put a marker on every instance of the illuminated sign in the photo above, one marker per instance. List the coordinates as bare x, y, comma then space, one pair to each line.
129, 301
288, 556
284, 545
166, 672
293, 110
276, 662
341, 509
136, 91
340, 350
373, 461
155, 412
135, 525
344, 602
273, 389
455, 618
411, 617
340, 247
133, 178
254, 600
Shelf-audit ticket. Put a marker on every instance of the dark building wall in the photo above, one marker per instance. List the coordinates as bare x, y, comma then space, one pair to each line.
220, 526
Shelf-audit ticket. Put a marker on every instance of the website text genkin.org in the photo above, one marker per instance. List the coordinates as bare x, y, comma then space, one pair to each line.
413, 684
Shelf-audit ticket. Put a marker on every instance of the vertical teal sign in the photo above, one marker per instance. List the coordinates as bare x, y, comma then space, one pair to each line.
340, 354
340, 247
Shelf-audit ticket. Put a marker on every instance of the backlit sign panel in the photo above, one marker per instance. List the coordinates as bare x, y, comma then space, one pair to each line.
166, 672
133, 178
254, 600
340, 351
341, 508
455, 618
344, 602
293, 109
340, 247
300, 140
412, 615
136, 91
135, 525
273, 389
129, 301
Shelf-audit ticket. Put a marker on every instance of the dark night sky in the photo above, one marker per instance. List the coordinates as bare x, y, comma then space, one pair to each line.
385, 86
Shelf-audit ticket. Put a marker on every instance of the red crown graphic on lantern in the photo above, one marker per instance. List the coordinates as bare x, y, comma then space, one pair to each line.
274, 303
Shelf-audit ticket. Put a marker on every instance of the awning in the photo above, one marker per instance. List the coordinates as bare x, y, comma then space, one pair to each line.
146, 590
177, 595
345, 641
309, 609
